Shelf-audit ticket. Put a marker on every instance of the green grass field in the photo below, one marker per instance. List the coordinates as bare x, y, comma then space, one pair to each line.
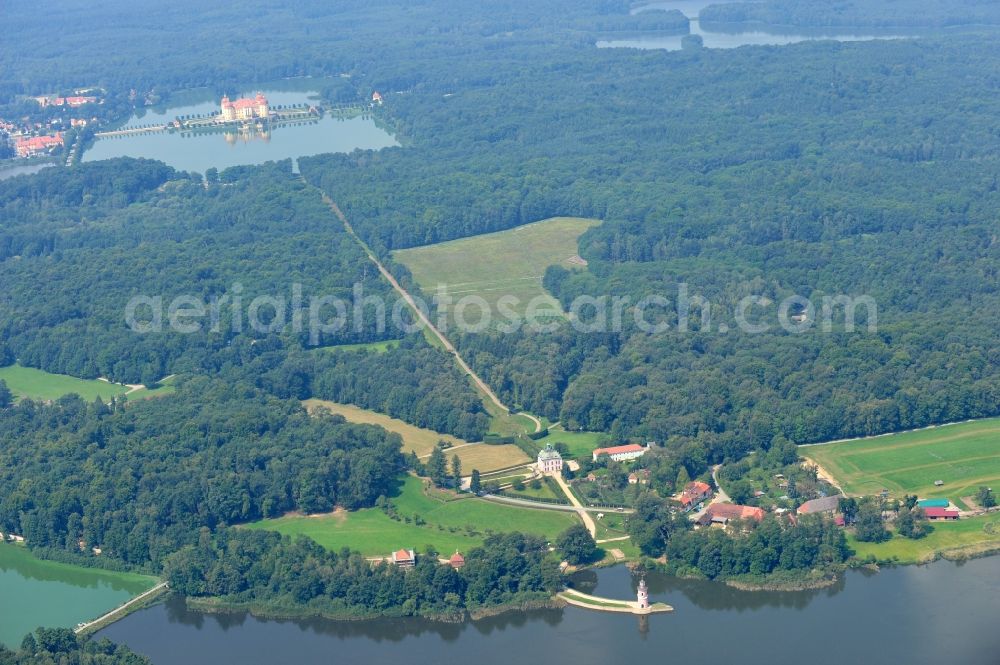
492, 265
581, 444
964, 456
40, 385
948, 537
543, 492
449, 525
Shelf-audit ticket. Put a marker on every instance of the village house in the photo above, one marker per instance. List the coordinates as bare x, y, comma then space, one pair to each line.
723, 513
549, 460
694, 493
622, 453
404, 558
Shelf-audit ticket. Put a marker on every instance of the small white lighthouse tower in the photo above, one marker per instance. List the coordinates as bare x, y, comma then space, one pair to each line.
643, 595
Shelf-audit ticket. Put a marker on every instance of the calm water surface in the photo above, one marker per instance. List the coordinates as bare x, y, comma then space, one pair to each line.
37, 593
715, 37
938, 614
222, 148
22, 169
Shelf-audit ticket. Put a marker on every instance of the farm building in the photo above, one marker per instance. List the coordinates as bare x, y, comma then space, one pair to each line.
622, 453
456, 561
723, 513
941, 514
826, 504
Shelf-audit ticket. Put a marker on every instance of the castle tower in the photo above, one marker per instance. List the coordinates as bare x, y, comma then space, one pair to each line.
262, 108
642, 596
228, 112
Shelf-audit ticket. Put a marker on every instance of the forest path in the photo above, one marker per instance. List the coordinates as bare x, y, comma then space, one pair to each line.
424, 319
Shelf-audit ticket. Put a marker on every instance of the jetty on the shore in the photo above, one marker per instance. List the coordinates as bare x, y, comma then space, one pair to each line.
587, 601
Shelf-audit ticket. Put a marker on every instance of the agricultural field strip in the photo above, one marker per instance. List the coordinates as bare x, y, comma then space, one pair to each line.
906, 465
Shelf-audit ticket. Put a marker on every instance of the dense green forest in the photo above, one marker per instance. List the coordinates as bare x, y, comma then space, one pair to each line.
835, 169
140, 481
414, 382
770, 548
56, 646
261, 570
136, 227
193, 49
76, 246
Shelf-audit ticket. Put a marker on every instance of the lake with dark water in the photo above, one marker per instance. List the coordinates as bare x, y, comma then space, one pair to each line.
940, 614
37, 593
726, 37
224, 147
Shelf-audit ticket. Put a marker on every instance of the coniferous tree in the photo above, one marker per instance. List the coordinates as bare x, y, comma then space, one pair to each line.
437, 467
456, 471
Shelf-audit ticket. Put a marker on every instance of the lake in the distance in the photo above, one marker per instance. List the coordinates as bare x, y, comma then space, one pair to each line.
740, 37
37, 593
690, 8
22, 169
944, 613
199, 151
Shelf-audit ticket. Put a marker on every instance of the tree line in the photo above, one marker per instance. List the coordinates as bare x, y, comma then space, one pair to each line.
266, 571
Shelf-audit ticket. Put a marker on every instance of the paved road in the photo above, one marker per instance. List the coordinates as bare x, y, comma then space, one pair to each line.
720, 495
588, 521
528, 503
449, 347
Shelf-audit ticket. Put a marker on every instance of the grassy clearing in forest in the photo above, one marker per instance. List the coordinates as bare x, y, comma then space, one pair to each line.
28, 382
461, 523
492, 265
422, 441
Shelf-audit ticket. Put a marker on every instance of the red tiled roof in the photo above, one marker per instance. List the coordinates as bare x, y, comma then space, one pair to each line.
731, 511
940, 512
402, 555
697, 487
630, 448
245, 102
457, 560
40, 142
